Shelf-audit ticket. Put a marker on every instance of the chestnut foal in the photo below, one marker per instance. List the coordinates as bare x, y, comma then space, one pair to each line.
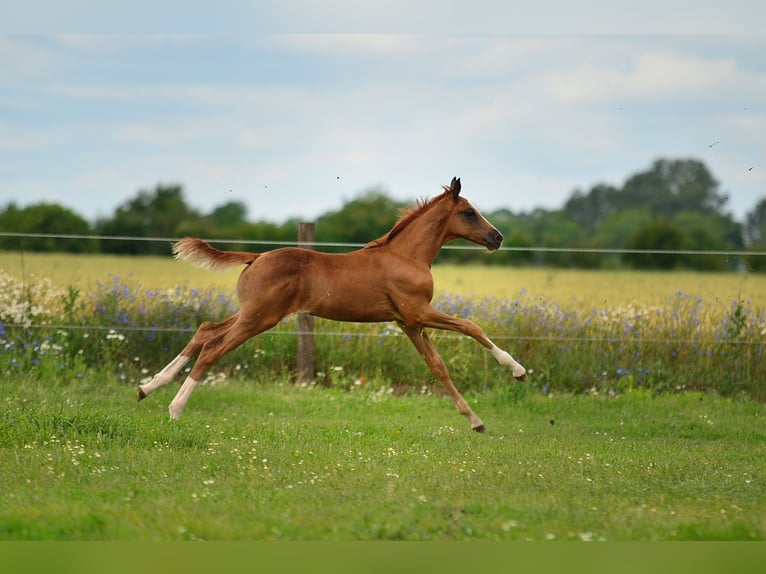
389, 279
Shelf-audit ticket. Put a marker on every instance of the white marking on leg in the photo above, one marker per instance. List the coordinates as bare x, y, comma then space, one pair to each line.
179, 402
165, 375
505, 358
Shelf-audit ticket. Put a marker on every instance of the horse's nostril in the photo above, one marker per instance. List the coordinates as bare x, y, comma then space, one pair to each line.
493, 239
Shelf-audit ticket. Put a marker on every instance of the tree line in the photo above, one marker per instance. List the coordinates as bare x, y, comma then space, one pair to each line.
673, 206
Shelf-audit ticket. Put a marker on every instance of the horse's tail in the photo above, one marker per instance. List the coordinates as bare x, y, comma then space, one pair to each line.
202, 254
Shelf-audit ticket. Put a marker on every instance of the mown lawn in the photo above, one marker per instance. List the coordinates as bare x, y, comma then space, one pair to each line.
272, 461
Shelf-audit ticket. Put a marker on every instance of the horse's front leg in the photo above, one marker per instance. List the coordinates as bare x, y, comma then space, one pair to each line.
430, 317
505, 358
436, 365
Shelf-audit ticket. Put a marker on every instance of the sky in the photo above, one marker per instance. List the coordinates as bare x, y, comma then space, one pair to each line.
293, 119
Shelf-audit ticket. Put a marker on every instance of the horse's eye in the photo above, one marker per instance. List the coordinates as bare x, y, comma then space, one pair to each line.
470, 213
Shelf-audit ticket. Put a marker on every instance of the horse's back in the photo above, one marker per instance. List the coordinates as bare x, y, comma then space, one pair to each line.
355, 286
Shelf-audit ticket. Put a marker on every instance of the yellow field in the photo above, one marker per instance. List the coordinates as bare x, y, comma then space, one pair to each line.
602, 288
564, 286
83, 270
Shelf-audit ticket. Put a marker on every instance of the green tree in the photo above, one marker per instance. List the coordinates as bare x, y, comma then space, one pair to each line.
515, 234
229, 214
681, 192
516, 238
556, 229
657, 235
756, 263
269, 231
360, 220
51, 219
590, 209
619, 227
198, 227
755, 236
667, 188
160, 213
755, 224
547, 228
672, 186
708, 232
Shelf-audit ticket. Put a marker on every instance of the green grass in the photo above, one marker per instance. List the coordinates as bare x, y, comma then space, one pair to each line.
266, 461
608, 439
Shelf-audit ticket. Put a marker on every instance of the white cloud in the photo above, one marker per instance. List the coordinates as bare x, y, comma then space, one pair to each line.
529, 117
153, 135
255, 138
364, 45
11, 141
750, 126
30, 59
642, 75
106, 44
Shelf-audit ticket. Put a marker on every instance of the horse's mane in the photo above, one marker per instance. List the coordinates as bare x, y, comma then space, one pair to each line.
407, 216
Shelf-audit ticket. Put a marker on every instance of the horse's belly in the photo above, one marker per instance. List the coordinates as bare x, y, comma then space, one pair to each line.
352, 305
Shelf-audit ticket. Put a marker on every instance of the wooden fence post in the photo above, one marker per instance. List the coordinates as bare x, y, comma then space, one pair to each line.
305, 359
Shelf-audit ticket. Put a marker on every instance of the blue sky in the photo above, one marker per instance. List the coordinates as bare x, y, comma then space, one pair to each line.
294, 124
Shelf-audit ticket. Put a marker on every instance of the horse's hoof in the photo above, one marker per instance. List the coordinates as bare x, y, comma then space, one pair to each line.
479, 428
522, 378
140, 393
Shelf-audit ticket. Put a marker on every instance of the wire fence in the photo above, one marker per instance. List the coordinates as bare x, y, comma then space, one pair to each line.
436, 335
350, 245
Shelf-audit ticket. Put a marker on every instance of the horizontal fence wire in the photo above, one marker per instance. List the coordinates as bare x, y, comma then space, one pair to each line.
591, 340
435, 335
605, 250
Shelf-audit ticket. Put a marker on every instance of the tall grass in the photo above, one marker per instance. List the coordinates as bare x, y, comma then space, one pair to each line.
126, 332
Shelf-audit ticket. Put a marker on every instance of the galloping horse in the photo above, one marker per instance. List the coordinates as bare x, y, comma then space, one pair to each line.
389, 279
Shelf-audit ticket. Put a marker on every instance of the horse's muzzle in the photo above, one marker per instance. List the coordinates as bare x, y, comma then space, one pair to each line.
493, 240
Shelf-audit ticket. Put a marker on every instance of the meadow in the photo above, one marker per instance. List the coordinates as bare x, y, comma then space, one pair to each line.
641, 419
567, 287
576, 331
263, 460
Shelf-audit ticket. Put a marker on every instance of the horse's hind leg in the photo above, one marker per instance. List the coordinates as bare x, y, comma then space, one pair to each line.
213, 349
204, 333
162, 378
436, 364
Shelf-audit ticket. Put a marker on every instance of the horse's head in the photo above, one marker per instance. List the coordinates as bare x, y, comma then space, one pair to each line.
465, 221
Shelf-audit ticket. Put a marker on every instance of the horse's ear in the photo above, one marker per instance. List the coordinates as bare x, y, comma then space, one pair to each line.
455, 187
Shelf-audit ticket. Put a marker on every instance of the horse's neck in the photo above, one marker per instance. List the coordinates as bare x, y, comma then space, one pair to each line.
421, 239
